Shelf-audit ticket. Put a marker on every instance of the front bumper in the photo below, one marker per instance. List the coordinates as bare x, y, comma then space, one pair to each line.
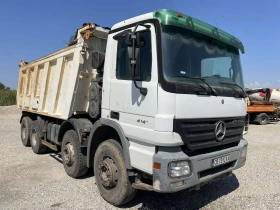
202, 170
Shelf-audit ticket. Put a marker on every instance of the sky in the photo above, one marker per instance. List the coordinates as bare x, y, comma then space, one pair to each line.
31, 29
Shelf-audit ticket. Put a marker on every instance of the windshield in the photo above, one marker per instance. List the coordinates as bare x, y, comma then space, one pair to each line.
187, 54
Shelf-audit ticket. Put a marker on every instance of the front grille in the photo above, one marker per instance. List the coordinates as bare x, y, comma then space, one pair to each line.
208, 149
199, 134
212, 171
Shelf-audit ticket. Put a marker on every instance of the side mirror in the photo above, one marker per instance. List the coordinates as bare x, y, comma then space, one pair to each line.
230, 72
134, 43
134, 73
97, 59
139, 41
130, 36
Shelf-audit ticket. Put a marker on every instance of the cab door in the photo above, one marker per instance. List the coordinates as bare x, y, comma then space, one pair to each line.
135, 112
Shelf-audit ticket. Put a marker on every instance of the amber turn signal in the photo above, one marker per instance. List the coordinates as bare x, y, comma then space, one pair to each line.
157, 166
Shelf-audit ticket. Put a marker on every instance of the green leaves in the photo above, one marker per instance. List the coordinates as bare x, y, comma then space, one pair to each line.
2, 86
7, 96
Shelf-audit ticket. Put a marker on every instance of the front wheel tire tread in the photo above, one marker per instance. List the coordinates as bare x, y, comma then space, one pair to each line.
123, 192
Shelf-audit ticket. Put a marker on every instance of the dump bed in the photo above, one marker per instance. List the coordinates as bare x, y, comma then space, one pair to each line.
58, 84
261, 107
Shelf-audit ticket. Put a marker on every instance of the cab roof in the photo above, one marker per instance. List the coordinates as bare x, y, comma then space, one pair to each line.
171, 17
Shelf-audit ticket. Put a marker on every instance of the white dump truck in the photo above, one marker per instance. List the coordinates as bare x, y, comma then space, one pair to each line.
154, 103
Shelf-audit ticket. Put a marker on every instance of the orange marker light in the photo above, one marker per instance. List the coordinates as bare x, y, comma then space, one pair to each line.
157, 166
180, 15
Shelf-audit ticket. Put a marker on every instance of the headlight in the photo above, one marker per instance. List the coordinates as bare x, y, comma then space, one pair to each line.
178, 169
244, 152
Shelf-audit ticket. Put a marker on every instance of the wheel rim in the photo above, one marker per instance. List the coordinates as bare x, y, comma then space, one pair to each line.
69, 154
34, 137
108, 173
263, 120
23, 132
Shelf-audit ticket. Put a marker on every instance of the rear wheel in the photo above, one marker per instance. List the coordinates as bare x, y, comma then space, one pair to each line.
25, 130
74, 161
263, 119
111, 174
35, 139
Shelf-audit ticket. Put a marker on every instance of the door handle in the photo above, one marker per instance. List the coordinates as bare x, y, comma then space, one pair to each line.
115, 115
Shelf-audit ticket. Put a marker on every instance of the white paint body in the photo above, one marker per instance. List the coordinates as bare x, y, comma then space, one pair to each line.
64, 95
158, 108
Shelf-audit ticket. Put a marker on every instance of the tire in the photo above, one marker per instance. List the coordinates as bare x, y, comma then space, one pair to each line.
74, 161
263, 119
25, 131
116, 190
35, 139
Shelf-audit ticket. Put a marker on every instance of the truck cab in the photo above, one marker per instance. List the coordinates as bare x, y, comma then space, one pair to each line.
194, 108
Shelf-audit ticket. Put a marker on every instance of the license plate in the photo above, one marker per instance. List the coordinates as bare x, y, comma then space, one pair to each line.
220, 160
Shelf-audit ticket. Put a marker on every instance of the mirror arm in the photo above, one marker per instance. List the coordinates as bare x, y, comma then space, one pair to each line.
139, 24
143, 91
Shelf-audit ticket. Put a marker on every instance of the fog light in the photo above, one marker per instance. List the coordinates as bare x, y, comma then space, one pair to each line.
178, 169
176, 184
244, 152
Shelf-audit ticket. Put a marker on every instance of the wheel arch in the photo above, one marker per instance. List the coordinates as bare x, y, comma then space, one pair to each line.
107, 129
27, 114
73, 124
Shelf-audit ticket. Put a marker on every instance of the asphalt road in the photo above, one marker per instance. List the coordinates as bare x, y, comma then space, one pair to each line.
29, 181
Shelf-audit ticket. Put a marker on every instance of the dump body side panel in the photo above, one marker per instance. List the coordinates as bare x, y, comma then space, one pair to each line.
58, 84
46, 87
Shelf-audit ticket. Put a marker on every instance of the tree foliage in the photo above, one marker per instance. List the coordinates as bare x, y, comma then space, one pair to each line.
7, 96
2, 86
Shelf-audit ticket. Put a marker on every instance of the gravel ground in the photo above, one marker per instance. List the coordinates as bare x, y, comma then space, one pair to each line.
29, 181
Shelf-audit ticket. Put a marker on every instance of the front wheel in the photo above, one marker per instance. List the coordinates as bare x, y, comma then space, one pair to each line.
111, 175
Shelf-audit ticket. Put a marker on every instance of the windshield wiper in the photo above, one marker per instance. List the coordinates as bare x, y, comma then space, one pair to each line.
229, 83
212, 90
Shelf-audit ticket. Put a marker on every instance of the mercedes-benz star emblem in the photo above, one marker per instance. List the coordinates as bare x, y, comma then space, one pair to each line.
220, 130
